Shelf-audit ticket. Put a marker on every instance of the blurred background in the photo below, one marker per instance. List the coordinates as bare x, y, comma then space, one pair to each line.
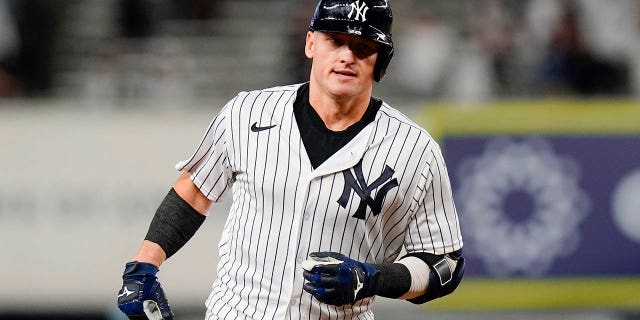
535, 103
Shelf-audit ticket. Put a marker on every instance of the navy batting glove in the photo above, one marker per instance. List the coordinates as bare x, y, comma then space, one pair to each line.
336, 279
141, 296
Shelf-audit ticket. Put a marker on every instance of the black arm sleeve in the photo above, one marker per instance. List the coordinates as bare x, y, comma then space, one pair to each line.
174, 223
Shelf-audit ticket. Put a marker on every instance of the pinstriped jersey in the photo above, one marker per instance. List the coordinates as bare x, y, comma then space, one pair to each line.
386, 190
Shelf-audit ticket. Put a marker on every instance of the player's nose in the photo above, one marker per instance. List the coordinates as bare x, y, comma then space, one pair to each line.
347, 55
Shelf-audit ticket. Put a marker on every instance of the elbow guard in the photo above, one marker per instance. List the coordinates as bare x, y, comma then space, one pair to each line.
445, 274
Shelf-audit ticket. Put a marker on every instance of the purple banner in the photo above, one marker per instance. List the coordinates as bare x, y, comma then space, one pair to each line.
547, 205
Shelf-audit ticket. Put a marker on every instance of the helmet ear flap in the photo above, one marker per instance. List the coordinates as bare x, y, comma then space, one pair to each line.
380, 69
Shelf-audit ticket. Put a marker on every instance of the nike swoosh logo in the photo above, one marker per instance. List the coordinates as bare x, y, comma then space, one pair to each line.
255, 128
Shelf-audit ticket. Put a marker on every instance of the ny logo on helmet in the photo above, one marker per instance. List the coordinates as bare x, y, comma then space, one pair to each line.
360, 9
363, 190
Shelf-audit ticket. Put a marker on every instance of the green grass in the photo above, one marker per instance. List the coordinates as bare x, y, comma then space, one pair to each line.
548, 293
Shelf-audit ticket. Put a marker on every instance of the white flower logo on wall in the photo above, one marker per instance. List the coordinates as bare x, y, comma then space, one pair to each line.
506, 239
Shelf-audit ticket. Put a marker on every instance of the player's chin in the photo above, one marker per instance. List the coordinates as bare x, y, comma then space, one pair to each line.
344, 90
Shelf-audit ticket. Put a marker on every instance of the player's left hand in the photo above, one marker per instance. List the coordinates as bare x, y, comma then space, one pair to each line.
336, 279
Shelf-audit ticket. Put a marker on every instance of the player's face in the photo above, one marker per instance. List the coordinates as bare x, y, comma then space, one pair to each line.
342, 64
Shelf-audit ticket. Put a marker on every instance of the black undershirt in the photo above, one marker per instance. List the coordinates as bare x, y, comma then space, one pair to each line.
320, 142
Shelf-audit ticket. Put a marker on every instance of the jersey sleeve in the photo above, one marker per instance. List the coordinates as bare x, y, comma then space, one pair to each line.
209, 166
434, 226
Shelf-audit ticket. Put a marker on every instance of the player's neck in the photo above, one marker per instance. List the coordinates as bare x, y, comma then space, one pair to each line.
338, 113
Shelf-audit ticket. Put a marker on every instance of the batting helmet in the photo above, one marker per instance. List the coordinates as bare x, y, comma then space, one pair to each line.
367, 18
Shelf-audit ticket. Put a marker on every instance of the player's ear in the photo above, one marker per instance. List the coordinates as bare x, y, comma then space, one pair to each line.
310, 42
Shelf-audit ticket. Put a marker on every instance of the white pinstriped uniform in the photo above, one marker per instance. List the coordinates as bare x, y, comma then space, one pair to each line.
283, 209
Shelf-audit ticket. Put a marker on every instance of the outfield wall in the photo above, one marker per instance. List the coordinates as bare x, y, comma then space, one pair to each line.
548, 195
78, 190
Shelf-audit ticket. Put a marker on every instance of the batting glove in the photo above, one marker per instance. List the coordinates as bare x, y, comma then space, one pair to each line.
336, 279
141, 296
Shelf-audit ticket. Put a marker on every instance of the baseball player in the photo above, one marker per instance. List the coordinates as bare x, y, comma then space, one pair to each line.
329, 185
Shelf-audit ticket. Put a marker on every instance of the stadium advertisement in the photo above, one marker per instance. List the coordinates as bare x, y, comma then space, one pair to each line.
549, 201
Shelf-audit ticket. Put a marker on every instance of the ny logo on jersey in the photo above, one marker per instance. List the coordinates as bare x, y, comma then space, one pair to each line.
363, 190
360, 9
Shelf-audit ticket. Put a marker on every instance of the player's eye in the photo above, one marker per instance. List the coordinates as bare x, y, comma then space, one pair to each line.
336, 41
365, 49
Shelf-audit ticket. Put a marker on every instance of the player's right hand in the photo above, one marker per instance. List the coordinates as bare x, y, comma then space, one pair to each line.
335, 279
141, 296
